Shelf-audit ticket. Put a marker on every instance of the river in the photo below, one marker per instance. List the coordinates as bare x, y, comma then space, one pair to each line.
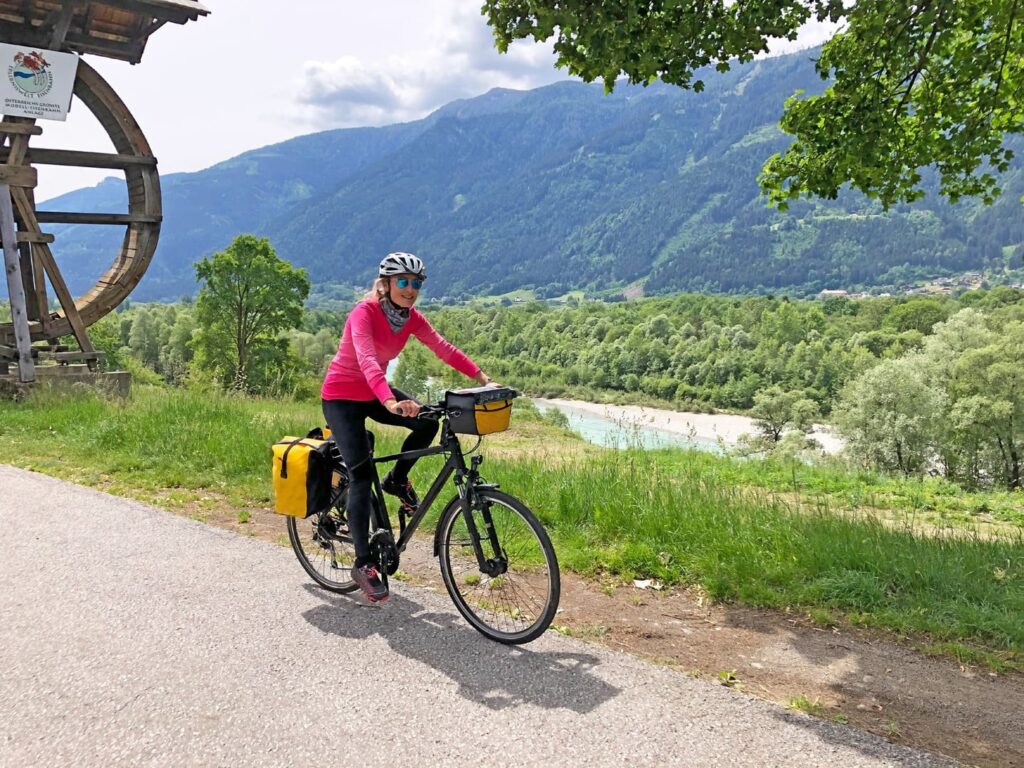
622, 425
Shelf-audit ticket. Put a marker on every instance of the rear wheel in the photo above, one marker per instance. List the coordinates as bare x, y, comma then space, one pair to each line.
324, 546
513, 596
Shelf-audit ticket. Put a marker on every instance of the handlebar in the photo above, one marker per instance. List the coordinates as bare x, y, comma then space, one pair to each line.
437, 411
432, 412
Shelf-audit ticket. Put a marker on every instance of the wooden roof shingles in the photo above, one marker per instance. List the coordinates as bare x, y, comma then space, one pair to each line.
117, 29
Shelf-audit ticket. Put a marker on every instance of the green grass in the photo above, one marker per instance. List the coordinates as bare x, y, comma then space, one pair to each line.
158, 439
811, 707
640, 516
680, 517
929, 500
969, 655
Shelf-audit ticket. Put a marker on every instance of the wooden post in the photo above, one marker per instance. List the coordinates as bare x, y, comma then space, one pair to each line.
25, 249
16, 288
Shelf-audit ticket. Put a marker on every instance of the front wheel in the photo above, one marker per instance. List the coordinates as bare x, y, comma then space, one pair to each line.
512, 596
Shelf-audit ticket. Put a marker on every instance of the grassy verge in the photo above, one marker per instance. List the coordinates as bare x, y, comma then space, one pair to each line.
681, 517
931, 500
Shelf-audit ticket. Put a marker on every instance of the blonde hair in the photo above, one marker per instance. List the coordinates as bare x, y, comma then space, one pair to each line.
378, 291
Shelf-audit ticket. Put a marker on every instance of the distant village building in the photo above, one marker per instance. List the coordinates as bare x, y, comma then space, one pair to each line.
833, 294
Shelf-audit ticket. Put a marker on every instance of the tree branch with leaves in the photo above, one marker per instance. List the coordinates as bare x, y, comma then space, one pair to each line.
912, 85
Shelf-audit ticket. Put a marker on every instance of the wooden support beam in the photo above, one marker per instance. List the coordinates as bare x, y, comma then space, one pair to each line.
66, 217
19, 146
10, 353
25, 129
40, 156
31, 309
26, 211
41, 301
18, 176
153, 27
66, 356
60, 28
16, 289
102, 44
38, 299
35, 237
65, 298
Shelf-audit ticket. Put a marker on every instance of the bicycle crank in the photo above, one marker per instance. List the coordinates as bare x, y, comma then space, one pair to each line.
384, 551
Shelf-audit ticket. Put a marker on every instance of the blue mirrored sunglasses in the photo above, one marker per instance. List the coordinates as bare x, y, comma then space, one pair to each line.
403, 282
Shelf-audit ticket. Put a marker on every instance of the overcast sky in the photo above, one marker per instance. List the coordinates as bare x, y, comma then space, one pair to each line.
249, 75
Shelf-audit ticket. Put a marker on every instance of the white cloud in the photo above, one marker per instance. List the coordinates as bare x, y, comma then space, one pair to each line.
329, 64
407, 85
411, 82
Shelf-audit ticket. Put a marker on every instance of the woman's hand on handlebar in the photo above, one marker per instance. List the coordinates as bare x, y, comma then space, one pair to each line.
484, 380
408, 408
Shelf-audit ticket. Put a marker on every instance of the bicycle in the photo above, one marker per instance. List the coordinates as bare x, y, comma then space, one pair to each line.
496, 559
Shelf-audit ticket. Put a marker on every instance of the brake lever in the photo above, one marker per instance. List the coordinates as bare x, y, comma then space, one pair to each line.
431, 412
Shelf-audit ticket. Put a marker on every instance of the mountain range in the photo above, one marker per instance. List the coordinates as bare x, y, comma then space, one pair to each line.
649, 190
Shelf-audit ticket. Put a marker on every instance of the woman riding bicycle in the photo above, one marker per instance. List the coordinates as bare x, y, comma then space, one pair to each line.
355, 388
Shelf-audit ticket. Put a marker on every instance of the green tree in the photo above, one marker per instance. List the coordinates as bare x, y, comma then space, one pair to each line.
892, 416
776, 410
916, 314
179, 350
963, 439
249, 296
989, 386
144, 339
912, 84
105, 336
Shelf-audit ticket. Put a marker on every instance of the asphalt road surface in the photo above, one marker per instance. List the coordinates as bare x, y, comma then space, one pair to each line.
132, 637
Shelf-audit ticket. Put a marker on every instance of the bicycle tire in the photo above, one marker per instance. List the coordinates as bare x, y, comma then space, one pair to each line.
322, 536
516, 606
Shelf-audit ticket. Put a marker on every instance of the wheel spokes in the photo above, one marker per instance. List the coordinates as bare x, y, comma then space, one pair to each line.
513, 601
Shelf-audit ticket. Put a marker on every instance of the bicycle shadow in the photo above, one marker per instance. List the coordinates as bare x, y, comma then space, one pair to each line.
488, 673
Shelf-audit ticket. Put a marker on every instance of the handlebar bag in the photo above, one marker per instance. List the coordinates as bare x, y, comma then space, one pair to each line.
301, 475
479, 410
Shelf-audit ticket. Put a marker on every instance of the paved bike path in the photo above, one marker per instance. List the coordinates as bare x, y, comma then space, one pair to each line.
133, 637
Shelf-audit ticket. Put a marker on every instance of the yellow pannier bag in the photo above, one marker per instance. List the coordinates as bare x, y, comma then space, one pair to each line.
301, 475
480, 410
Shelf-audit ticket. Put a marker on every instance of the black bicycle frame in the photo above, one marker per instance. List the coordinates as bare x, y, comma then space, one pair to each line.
465, 480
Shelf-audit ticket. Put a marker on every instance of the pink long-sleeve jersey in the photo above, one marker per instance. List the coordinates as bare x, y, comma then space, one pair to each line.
367, 346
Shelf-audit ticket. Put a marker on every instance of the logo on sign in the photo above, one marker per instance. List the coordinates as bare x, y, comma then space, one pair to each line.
30, 74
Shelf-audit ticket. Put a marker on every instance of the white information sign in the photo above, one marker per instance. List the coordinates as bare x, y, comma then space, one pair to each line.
36, 83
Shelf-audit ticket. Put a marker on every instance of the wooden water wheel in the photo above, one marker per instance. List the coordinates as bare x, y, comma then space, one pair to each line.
142, 220
117, 28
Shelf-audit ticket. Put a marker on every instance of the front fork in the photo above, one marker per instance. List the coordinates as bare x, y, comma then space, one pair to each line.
472, 507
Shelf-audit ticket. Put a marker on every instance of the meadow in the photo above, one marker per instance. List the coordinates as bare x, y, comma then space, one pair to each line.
755, 532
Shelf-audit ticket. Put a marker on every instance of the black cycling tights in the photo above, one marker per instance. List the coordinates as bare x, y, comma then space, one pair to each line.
347, 420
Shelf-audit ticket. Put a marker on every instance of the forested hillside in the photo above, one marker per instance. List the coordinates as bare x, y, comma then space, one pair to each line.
558, 188
697, 351
688, 351
204, 211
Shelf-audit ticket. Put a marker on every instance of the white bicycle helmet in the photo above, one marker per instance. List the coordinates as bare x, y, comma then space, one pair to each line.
399, 263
